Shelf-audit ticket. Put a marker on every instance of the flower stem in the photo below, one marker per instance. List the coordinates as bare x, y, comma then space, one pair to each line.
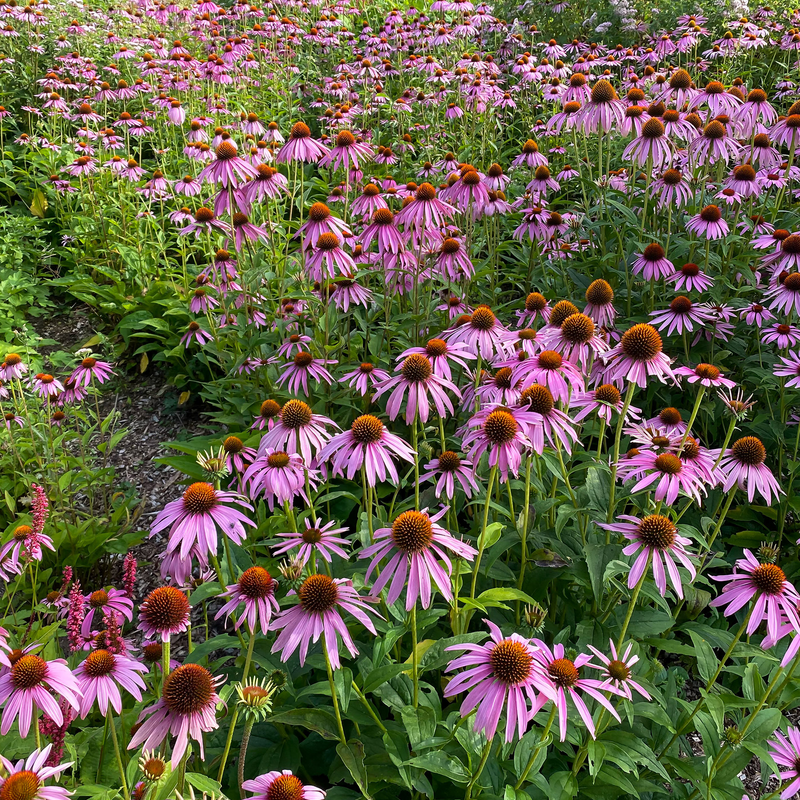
535, 752
482, 538
632, 605
164, 662
121, 769
697, 401
248, 727
414, 657
484, 758
334, 696
615, 456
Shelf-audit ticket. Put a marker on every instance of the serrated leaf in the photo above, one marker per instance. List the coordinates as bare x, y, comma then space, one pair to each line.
315, 719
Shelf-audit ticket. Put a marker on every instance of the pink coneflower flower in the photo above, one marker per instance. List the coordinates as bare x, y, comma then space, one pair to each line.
195, 518
25, 686
656, 537
440, 353
298, 430
667, 471
300, 146
499, 432
46, 385
672, 188
328, 258
536, 305
228, 169
348, 151
205, 222
785, 295
366, 377
416, 375
690, 277
316, 538
767, 585
501, 675
318, 614
782, 335
368, 445
708, 223
681, 316
706, 375
743, 181
90, 368
450, 471
186, 710
743, 466
652, 263
278, 475
100, 677
12, 367
603, 111
482, 334
26, 779
789, 368
562, 680
651, 146
638, 357
382, 230
787, 754
165, 611
244, 230
303, 366
756, 314
279, 785
545, 420
237, 455
604, 400
552, 370
416, 545
267, 413
600, 303
617, 670
714, 144
716, 99
529, 157
425, 210
453, 261
111, 600
320, 222
255, 589
195, 333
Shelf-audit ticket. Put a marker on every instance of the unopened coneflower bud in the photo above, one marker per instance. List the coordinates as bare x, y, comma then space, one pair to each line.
153, 766
214, 463
256, 697
768, 552
292, 572
535, 617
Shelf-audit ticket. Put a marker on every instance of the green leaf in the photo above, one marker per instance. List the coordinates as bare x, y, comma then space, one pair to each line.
707, 662
490, 536
204, 649
343, 680
315, 719
440, 763
203, 592
420, 723
379, 676
494, 598
352, 755
764, 725
437, 655
203, 783
598, 484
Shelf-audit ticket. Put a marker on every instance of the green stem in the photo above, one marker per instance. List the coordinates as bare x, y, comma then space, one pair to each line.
484, 758
248, 727
482, 538
117, 753
632, 605
615, 456
334, 696
414, 654
539, 745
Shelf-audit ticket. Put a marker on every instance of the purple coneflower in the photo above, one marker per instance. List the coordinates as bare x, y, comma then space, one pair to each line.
499, 432
651, 146
681, 316
416, 545
279, 476
667, 471
706, 375
298, 430
652, 263
656, 537
186, 710
316, 538
255, 589
100, 677
303, 366
638, 356
617, 670
318, 614
767, 585
482, 334
26, 685
690, 277
450, 470
300, 146
281, 786
785, 295
228, 169
365, 377
708, 224
26, 779
604, 400
552, 370
196, 517
563, 680
787, 754
743, 466
501, 675
91, 368
368, 445
165, 611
